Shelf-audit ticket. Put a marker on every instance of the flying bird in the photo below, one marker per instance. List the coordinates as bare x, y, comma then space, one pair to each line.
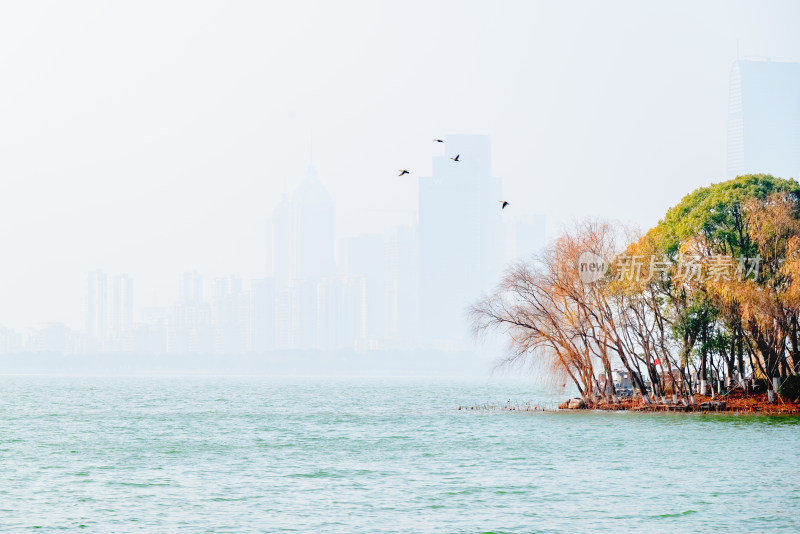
504, 204
438, 141
402, 172
456, 158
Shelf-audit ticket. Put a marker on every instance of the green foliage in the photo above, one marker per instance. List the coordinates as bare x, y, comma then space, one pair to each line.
719, 341
715, 212
692, 320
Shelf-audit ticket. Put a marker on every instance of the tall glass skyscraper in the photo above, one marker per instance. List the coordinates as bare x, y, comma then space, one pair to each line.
460, 237
764, 119
302, 256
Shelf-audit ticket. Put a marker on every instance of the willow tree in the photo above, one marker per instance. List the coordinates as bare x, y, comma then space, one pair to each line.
642, 291
557, 319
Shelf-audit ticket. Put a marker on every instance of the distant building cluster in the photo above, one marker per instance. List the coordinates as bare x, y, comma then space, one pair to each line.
405, 288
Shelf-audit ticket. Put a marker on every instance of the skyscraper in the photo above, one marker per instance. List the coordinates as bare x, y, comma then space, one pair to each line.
363, 258
764, 119
402, 286
227, 307
96, 310
460, 237
121, 311
327, 299
301, 243
189, 323
261, 316
311, 241
191, 288
283, 318
278, 237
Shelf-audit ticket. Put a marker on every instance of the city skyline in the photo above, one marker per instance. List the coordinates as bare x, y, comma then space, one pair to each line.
379, 290
309, 215
158, 155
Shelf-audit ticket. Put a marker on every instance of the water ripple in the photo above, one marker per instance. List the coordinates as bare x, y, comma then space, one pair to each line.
239, 454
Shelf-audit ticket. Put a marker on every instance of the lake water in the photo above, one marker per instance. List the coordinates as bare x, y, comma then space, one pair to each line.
257, 454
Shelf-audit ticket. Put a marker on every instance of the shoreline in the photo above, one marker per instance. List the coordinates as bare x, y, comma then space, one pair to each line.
731, 404
704, 404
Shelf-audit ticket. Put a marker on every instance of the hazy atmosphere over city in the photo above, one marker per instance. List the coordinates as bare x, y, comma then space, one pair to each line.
158, 139
399, 266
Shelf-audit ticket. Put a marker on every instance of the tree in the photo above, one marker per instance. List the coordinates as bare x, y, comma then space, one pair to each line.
718, 277
559, 320
744, 219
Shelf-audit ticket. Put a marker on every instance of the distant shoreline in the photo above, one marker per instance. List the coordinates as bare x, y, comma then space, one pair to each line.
390, 362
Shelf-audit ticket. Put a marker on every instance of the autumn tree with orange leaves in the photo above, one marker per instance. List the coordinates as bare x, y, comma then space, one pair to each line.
709, 296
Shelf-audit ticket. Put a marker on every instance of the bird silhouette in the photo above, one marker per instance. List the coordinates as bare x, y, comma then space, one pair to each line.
438, 141
504, 204
402, 172
456, 158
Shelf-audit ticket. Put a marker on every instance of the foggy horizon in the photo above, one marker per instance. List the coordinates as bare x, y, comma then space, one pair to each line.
154, 146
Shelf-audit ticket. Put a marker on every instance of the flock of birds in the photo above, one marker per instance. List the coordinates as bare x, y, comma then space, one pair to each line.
503, 203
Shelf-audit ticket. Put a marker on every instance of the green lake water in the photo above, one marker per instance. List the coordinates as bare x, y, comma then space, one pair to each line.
259, 454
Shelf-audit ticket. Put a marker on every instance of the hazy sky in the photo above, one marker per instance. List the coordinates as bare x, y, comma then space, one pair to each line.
156, 137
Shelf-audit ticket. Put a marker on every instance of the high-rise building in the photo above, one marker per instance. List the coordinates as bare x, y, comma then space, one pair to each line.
96, 310
188, 324
301, 256
364, 257
261, 316
303, 320
351, 310
228, 311
121, 311
278, 237
311, 234
402, 286
460, 238
764, 119
329, 323
283, 318
10, 341
191, 288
